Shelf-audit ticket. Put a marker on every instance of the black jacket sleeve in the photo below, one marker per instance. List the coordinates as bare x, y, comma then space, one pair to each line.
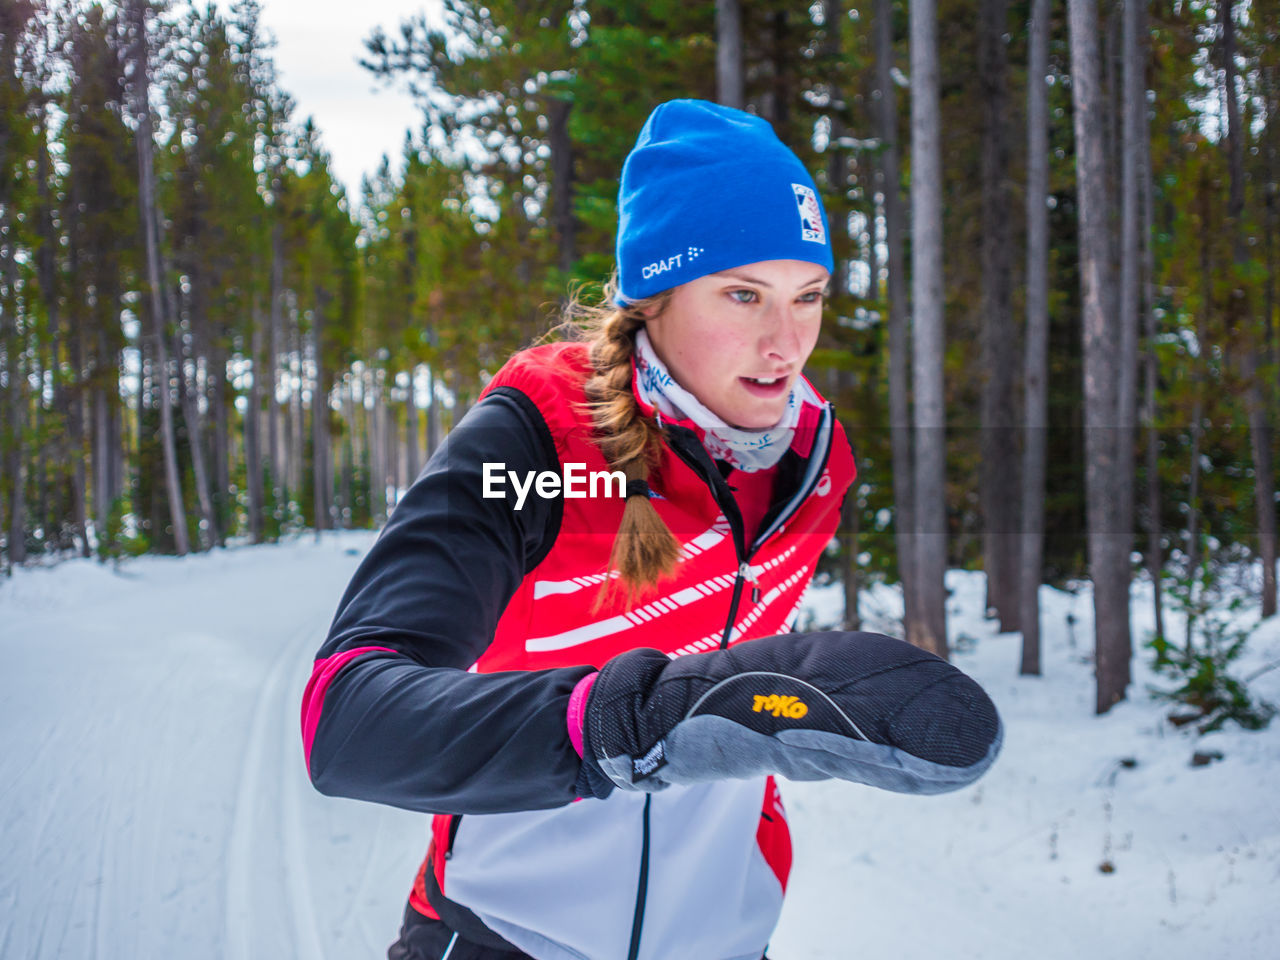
409, 726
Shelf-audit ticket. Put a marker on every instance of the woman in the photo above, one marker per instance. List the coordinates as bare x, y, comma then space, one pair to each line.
570, 683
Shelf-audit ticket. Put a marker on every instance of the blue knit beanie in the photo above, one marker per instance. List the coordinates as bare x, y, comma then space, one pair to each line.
708, 188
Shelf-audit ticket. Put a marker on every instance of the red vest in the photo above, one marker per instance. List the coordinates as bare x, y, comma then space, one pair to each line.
552, 620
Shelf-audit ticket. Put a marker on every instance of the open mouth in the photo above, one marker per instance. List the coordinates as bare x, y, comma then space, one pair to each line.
767, 387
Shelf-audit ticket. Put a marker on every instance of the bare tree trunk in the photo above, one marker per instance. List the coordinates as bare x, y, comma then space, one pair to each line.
776, 106
12, 405
930, 550
137, 14
1108, 559
323, 391
377, 475
119, 440
1270, 189
839, 181
297, 448
348, 454
1198, 386
380, 467
16, 467
393, 444
562, 185
273, 457
64, 398
899, 326
434, 425
75, 429
368, 410
412, 428
203, 429
729, 78
1193, 502
999, 479
558, 111
253, 429
140, 418
319, 428
76, 324
216, 383
17, 407
873, 259
1155, 554
48, 523
102, 403
382, 422
840, 178
287, 432
1110, 51
188, 394
1036, 370
1133, 112
869, 176
284, 370
101, 460
1238, 314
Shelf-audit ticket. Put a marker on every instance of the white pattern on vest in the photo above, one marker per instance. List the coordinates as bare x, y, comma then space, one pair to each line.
662, 606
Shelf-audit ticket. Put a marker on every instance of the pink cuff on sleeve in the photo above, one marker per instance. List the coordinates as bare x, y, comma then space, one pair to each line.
577, 708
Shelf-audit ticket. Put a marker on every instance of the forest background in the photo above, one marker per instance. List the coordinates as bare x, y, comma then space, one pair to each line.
1051, 334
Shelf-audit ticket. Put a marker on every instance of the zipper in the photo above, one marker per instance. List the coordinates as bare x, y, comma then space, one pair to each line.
744, 575
748, 573
686, 445
637, 922
733, 604
697, 459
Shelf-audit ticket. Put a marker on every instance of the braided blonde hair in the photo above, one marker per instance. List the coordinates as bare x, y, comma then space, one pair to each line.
644, 551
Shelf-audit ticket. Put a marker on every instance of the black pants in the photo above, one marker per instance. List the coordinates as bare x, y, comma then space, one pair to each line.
424, 939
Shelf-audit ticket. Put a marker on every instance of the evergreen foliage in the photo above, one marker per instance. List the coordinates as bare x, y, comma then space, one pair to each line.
325, 343
1216, 635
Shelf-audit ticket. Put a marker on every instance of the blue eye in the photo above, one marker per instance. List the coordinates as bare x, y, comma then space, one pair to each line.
744, 296
814, 296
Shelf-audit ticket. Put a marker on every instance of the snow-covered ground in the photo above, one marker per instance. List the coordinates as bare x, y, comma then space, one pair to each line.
154, 803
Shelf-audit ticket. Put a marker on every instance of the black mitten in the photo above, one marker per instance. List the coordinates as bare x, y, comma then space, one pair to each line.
808, 706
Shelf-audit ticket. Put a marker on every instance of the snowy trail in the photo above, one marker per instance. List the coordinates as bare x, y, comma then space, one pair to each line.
153, 794
154, 800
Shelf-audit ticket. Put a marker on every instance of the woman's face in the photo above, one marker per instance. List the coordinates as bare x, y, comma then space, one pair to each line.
738, 339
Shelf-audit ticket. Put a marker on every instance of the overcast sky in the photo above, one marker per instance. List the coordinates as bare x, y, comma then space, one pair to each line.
318, 45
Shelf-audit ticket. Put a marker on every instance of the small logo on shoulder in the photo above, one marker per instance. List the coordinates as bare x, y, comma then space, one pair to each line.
780, 706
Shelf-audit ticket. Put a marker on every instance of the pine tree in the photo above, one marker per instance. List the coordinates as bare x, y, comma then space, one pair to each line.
929, 401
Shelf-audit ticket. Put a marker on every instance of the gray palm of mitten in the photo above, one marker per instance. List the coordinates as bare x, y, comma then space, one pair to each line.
809, 706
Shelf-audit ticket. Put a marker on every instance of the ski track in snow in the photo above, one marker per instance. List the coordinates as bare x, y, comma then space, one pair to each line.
301, 899
154, 800
251, 825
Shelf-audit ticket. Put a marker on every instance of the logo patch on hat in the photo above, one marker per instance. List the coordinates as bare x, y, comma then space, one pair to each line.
810, 214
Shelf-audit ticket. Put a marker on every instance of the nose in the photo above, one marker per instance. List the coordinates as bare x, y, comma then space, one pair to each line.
781, 341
